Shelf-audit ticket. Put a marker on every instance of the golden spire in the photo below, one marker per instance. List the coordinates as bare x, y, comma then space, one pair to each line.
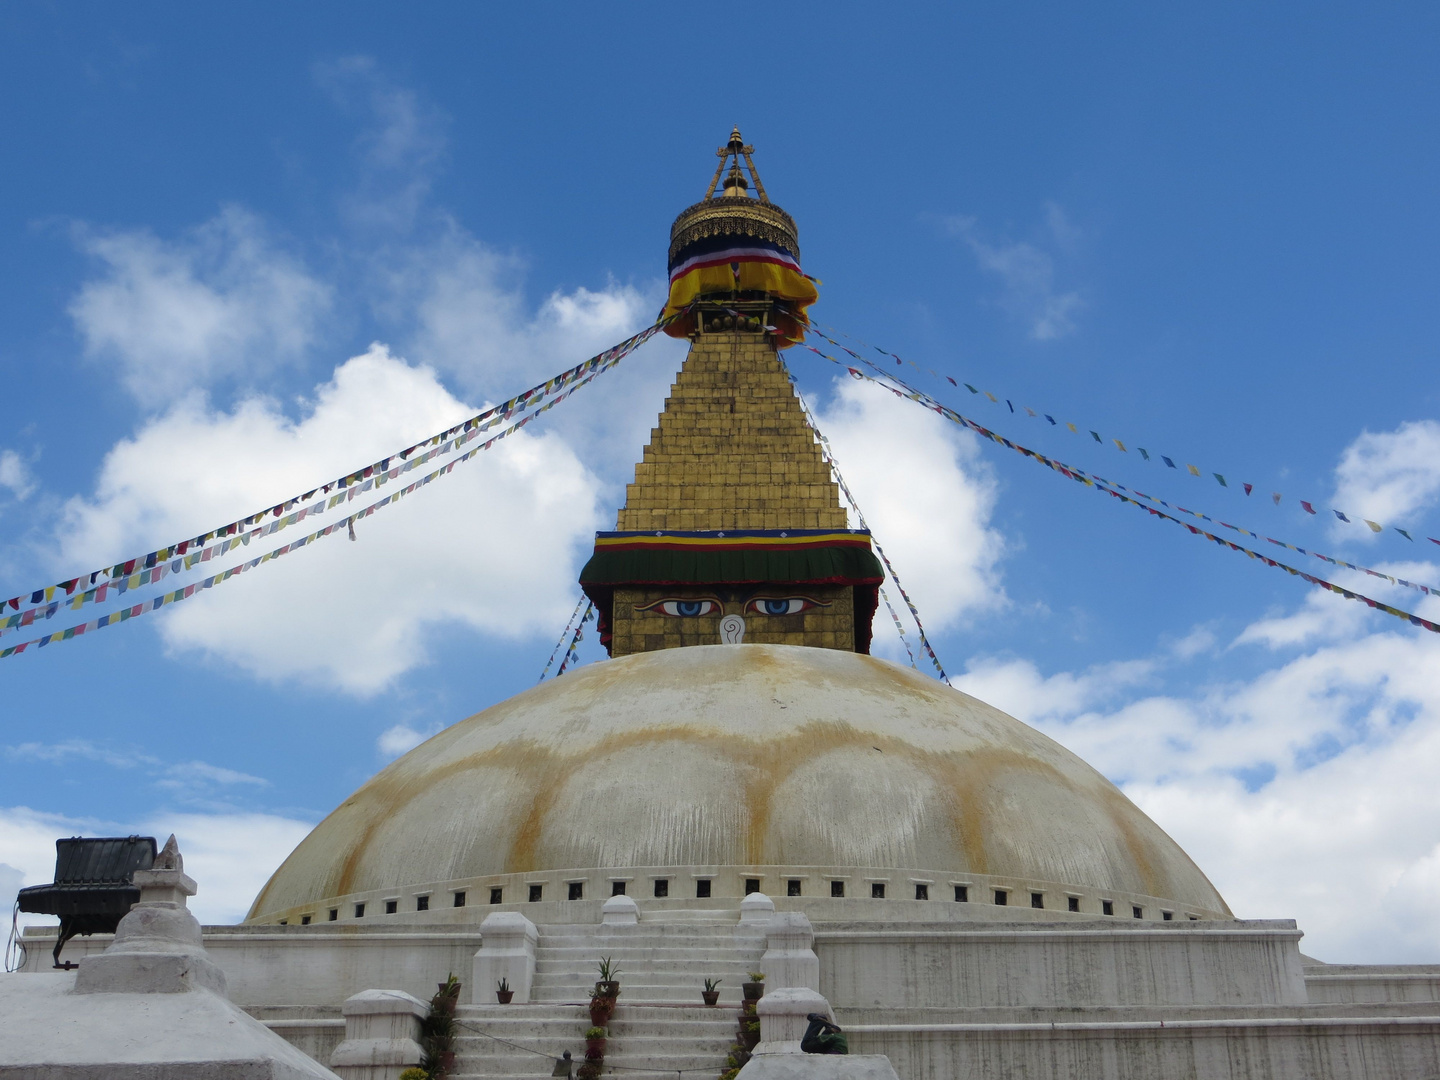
735, 184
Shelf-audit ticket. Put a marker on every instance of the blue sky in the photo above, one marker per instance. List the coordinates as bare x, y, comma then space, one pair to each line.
242, 251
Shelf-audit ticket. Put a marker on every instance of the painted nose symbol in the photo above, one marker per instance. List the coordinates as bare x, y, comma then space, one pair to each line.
732, 629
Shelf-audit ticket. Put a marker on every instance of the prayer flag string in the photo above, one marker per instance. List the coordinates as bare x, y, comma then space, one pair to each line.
345, 525
899, 629
829, 455
563, 635
918, 395
152, 567
1169, 462
346, 488
1099, 484
573, 651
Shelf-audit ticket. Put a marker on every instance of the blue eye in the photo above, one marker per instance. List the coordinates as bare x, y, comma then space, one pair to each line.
789, 605
687, 609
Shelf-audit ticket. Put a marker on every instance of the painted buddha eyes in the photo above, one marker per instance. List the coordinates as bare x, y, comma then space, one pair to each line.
781, 605
687, 609
676, 607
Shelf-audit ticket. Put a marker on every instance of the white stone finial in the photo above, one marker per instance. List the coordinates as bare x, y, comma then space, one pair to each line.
157, 948
169, 857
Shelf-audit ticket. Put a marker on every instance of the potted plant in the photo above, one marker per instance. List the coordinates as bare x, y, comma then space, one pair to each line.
503, 993
601, 1008
755, 988
595, 1044
608, 986
749, 1033
437, 1030
710, 995
588, 1071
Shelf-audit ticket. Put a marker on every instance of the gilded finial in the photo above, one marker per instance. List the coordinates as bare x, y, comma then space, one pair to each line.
735, 184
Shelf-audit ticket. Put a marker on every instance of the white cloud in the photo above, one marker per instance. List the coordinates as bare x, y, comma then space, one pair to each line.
401, 738
349, 615
399, 148
1026, 272
230, 856
221, 302
15, 475
927, 495
1305, 792
1388, 476
55, 753
472, 319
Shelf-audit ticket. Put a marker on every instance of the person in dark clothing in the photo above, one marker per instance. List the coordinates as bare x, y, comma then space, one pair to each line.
823, 1037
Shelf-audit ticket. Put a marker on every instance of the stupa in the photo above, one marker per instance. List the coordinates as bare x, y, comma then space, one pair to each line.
742, 788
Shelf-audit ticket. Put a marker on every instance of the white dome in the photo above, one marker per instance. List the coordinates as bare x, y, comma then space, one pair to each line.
737, 756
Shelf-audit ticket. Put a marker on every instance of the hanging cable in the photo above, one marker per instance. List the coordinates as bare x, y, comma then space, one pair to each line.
563, 635
828, 453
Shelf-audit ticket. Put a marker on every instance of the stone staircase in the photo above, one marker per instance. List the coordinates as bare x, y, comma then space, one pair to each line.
660, 1028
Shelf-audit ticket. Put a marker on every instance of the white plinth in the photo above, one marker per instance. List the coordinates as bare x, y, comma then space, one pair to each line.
818, 1067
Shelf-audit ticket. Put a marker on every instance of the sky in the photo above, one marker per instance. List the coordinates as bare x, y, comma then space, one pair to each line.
245, 250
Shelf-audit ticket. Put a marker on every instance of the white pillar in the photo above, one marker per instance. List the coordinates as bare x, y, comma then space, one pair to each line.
790, 959
784, 1017
756, 909
382, 1035
620, 911
507, 951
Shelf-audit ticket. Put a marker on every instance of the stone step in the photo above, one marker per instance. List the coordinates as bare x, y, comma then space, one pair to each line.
520, 1030
521, 1064
644, 1046
671, 973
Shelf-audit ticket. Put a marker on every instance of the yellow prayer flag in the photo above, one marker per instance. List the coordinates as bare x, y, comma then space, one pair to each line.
1071, 427
1120, 444
1373, 526
1193, 471
992, 397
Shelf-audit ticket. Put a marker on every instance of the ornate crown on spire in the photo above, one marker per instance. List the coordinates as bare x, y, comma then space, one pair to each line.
737, 245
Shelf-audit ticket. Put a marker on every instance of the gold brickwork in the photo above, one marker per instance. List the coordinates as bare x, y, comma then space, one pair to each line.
732, 449
822, 627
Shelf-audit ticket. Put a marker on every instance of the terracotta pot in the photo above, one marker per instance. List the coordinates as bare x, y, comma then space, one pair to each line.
600, 1011
710, 997
753, 991
608, 988
447, 1063
594, 1049
504, 996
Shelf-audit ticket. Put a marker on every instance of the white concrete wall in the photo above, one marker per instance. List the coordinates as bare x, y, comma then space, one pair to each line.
1100, 963
1401, 1048
1356, 983
314, 965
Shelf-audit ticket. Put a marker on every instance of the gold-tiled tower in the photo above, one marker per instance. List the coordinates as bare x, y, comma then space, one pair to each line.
732, 449
733, 519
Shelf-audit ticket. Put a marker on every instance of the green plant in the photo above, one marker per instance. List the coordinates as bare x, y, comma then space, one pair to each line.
757, 976
503, 986
588, 1071
595, 1033
711, 984
414, 1073
437, 1029
608, 970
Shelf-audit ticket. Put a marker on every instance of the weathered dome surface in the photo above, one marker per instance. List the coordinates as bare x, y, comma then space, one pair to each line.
726, 755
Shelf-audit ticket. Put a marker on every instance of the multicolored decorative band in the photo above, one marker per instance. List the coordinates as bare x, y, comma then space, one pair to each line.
732, 539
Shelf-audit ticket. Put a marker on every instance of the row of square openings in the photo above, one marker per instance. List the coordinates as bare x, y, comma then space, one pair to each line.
576, 891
